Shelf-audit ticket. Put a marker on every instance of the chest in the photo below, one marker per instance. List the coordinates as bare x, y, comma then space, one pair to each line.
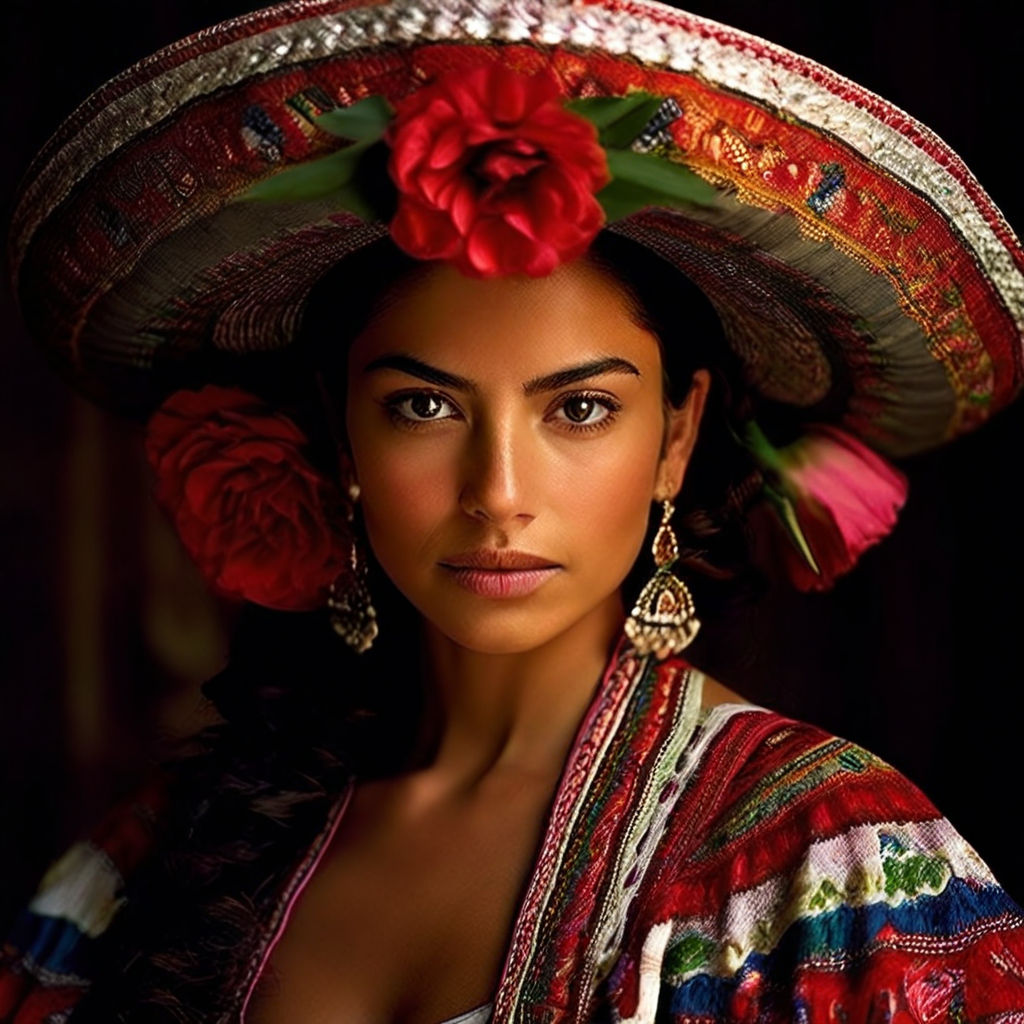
408, 915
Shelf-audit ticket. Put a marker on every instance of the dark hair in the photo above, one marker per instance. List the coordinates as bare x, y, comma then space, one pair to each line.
301, 712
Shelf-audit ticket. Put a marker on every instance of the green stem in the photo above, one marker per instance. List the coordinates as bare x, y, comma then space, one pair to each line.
760, 447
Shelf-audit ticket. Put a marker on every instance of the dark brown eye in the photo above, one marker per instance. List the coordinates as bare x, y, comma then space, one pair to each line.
579, 408
425, 406
420, 407
583, 411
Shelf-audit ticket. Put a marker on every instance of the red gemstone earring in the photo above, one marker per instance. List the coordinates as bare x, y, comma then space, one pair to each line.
662, 621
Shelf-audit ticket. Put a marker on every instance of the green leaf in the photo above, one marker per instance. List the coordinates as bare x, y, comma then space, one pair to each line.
786, 511
642, 179
624, 130
664, 179
602, 111
764, 452
689, 953
618, 119
310, 180
365, 120
619, 199
350, 197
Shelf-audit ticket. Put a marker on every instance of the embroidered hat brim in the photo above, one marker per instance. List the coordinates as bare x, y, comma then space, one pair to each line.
860, 271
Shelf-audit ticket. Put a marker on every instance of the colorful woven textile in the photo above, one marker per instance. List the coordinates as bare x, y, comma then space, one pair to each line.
862, 274
731, 865
48, 958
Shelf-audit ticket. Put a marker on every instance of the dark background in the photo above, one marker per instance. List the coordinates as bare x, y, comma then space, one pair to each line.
106, 633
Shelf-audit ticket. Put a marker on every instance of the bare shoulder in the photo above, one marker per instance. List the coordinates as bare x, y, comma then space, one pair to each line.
715, 693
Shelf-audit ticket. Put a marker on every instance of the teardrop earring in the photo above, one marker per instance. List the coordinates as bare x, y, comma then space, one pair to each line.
663, 621
353, 616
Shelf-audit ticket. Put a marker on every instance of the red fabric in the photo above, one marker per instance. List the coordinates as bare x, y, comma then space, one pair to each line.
966, 982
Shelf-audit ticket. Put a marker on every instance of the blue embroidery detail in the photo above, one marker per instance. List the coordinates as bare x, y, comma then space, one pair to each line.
832, 180
847, 930
269, 135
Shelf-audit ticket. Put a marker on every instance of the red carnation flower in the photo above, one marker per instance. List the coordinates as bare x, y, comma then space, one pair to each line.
260, 522
494, 174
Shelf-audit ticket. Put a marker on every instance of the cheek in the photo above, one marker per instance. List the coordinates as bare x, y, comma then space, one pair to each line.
398, 483
607, 497
393, 477
403, 499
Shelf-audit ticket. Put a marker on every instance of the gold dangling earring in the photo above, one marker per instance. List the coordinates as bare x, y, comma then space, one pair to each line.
353, 617
663, 621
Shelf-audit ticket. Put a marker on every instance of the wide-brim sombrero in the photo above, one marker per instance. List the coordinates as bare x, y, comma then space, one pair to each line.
862, 274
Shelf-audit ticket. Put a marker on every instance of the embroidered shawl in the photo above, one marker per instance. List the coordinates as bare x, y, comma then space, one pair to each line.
731, 865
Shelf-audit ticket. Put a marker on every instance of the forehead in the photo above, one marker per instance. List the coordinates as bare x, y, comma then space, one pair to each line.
516, 323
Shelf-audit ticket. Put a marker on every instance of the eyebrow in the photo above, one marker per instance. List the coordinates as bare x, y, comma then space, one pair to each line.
548, 382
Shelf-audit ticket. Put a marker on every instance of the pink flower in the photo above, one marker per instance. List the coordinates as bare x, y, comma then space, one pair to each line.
494, 174
835, 495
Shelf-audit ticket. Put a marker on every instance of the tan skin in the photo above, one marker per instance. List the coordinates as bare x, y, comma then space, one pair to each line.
408, 917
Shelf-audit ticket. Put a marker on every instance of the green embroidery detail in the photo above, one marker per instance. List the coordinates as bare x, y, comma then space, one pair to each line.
802, 775
851, 760
693, 950
911, 873
826, 895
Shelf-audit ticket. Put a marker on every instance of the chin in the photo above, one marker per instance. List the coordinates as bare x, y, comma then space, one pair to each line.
486, 637
505, 630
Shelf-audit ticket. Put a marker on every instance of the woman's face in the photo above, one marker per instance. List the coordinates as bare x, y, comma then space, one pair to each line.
511, 415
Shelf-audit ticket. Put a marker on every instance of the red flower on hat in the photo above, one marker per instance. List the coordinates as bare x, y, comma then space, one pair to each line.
260, 522
494, 174
843, 495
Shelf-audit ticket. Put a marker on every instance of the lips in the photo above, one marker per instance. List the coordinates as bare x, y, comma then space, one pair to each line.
494, 573
498, 560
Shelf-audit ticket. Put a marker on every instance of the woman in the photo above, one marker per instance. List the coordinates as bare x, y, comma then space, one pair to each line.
510, 657
646, 845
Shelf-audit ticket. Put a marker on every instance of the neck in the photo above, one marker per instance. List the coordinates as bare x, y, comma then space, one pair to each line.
518, 711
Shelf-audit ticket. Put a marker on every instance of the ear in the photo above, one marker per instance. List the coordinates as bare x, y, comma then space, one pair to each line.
680, 437
346, 466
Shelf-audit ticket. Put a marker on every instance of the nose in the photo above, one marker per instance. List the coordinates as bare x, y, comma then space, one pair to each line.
496, 469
